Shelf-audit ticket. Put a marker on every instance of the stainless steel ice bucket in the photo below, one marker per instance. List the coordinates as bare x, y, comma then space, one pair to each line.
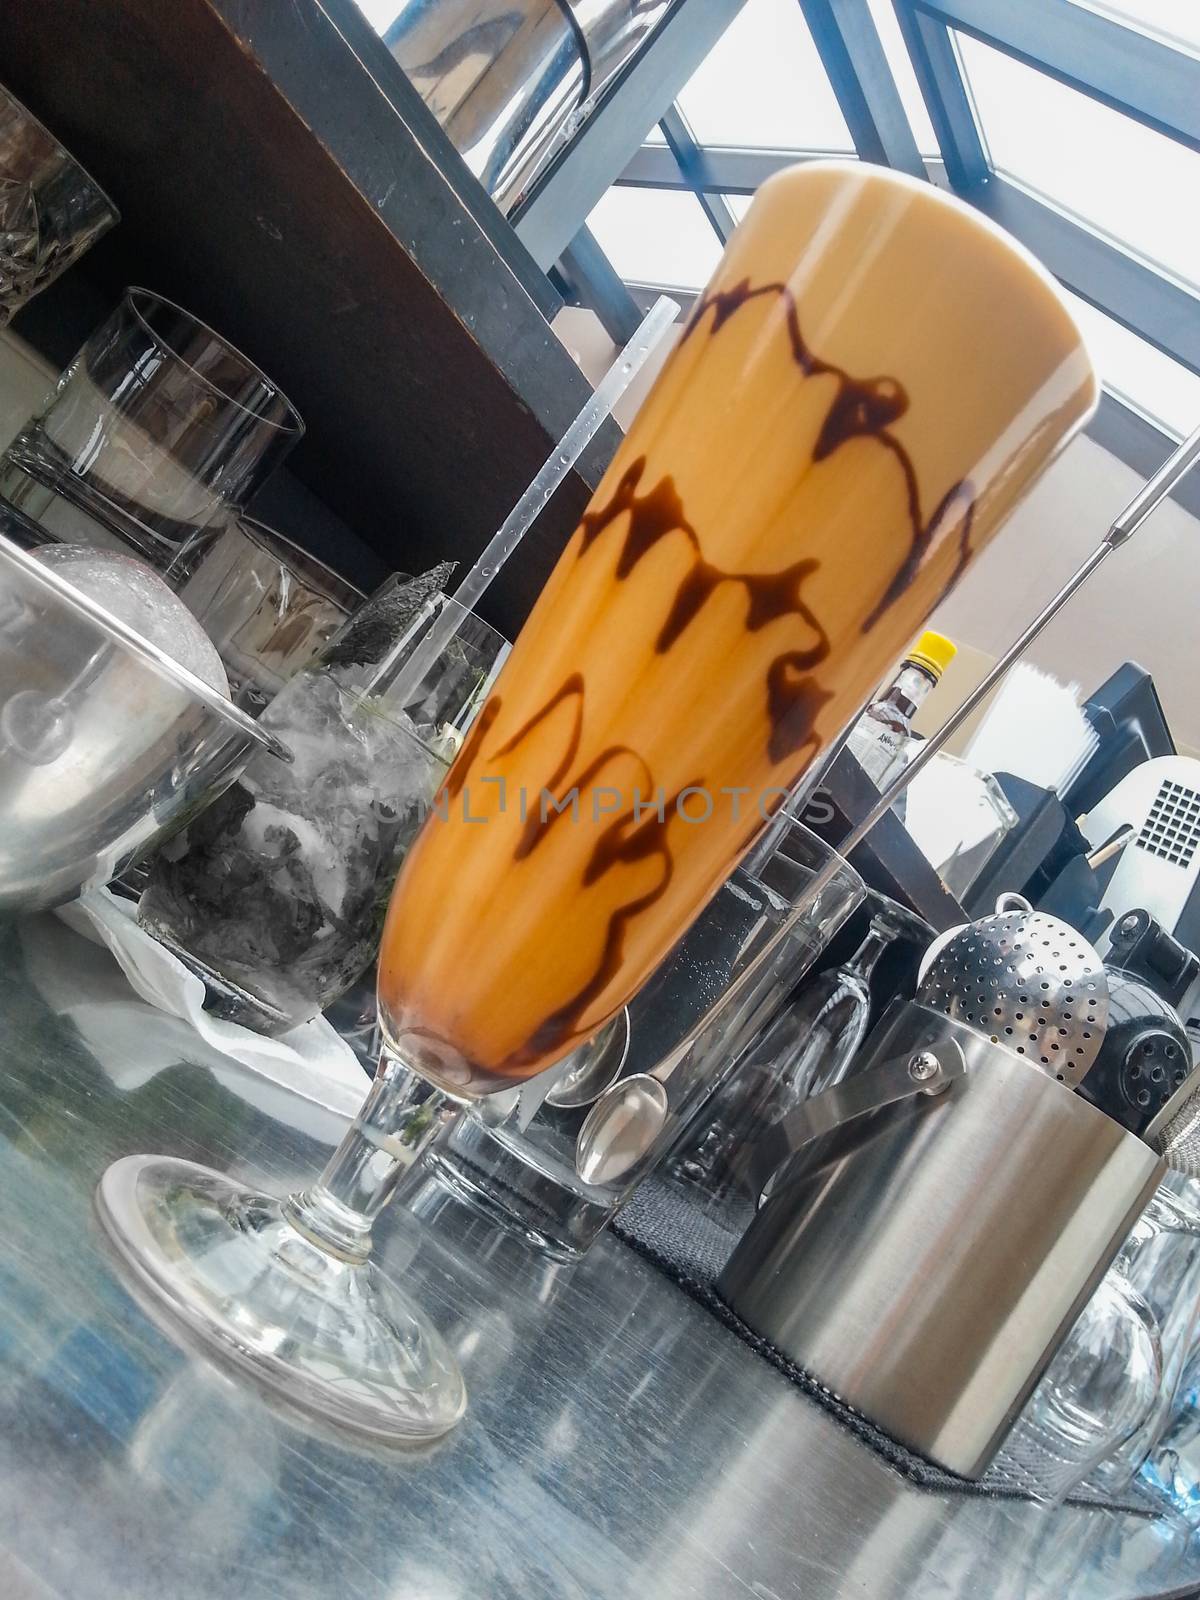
925, 1258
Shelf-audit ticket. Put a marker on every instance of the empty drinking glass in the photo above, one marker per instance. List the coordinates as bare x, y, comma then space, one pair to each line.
1095, 1395
809, 1047
268, 606
1103, 1410
1172, 1468
51, 211
155, 433
1161, 1259
959, 816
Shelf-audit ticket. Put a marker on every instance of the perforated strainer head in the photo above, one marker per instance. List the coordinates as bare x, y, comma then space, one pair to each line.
1030, 982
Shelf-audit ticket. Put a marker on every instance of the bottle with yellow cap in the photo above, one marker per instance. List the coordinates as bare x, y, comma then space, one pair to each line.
880, 739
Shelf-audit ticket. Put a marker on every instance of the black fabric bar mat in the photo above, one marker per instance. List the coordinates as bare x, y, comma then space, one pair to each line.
690, 1247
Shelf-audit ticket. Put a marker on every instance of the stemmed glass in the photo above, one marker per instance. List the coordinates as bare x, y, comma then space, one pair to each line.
805, 480
808, 1048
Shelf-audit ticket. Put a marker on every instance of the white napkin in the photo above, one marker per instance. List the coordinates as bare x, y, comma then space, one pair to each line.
312, 1060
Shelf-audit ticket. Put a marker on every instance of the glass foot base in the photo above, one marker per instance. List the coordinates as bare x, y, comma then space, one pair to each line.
223, 998
331, 1338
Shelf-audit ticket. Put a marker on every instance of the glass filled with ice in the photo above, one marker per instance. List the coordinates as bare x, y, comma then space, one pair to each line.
276, 894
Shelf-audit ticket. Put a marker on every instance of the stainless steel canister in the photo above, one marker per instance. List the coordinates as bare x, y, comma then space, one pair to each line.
925, 1258
511, 80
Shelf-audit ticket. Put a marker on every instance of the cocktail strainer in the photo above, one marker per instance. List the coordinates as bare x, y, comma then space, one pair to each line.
1030, 982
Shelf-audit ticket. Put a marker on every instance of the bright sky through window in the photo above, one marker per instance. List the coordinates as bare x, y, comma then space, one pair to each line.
656, 236
1154, 384
763, 84
1176, 22
1115, 174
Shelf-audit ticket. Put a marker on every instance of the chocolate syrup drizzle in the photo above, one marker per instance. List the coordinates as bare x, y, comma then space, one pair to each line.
860, 408
543, 818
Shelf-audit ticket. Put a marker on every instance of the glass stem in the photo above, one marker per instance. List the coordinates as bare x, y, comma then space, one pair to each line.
864, 960
400, 1117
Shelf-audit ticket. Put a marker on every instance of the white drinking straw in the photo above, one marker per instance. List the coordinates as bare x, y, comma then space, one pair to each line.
574, 442
516, 525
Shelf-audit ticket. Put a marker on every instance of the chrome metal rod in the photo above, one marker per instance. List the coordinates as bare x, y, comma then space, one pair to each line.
1177, 465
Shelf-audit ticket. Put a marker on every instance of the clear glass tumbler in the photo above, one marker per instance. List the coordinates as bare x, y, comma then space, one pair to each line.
156, 432
275, 895
1095, 1395
1161, 1259
1171, 1470
514, 1156
959, 817
51, 210
809, 1047
268, 606
1096, 1418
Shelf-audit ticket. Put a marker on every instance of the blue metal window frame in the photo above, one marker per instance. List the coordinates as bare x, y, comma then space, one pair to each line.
1122, 68
558, 205
551, 222
1126, 70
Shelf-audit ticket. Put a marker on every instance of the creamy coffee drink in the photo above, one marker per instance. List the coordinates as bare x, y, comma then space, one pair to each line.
871, 381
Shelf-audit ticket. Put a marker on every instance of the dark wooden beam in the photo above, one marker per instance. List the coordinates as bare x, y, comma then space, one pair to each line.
268, 184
